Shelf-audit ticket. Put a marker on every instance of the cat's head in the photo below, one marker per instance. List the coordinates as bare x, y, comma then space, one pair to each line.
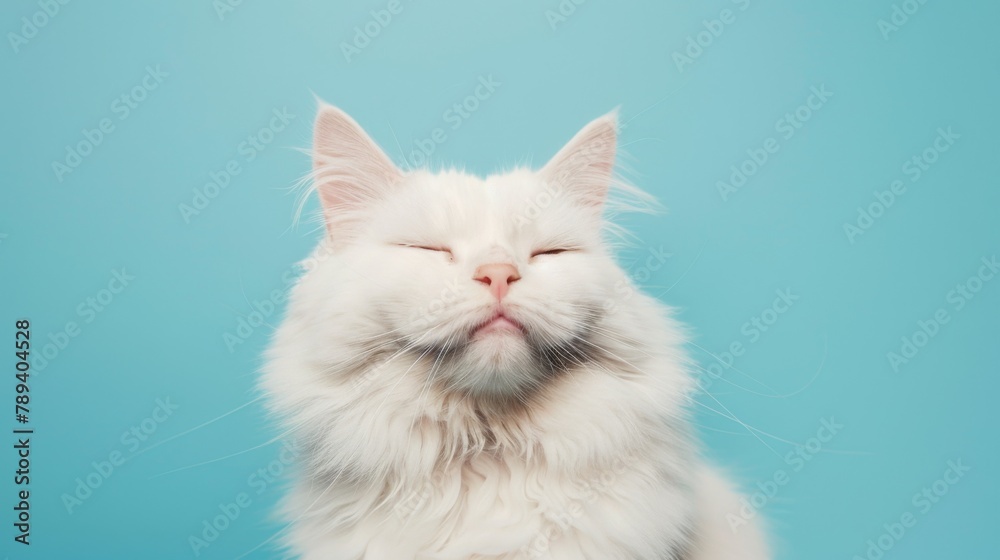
498, 282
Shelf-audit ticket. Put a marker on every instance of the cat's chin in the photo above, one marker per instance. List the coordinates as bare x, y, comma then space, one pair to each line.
498, 361
499, 347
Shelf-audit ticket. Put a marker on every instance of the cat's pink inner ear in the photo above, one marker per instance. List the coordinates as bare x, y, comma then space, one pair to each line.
585, 165
349, 167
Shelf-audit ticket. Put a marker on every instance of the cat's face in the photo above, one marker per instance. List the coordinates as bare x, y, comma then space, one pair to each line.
498, 282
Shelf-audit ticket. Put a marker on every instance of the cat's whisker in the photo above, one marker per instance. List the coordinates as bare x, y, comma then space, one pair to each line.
194, 429
722, 378
685, 273
734, 368
711, 429
589, 367
231, 455
751, 430
612, 335
402, 153
624, 125
815, 376
348, 364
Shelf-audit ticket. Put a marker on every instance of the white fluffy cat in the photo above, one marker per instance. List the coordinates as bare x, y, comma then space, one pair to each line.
468, 374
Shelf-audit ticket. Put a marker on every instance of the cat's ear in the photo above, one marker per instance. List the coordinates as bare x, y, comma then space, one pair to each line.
349, 168
585, 165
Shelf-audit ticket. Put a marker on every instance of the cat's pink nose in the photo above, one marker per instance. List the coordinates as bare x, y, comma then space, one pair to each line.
497, 277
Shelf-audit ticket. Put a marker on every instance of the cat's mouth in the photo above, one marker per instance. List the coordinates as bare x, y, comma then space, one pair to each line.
498, 323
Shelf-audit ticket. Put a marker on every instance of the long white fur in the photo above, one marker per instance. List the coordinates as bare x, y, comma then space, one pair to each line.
420, 441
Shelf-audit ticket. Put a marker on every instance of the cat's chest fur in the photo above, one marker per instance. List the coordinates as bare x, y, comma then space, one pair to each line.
564, 478
490, 507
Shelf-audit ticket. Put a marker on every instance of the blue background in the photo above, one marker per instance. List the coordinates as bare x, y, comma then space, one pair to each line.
162, 336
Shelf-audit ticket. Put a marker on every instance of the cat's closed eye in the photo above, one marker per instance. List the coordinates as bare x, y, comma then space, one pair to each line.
550, 252
433, 248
